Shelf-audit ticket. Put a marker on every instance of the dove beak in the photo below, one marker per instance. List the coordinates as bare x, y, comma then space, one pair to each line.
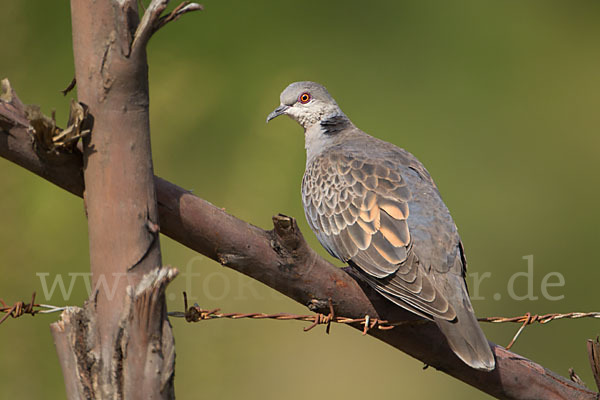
277, 112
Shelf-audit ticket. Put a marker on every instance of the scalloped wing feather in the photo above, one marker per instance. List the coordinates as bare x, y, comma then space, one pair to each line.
358, 210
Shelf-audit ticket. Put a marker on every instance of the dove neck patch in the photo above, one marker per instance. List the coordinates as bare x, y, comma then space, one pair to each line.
334, 124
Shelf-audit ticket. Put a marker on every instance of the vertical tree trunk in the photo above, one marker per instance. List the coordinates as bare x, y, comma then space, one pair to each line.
120, 344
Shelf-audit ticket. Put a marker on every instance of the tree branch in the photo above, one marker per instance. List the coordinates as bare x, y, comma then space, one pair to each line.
120, 345
281, 259
152, 21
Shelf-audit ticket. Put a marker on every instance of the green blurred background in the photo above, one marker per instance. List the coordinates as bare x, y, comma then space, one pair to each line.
498, 99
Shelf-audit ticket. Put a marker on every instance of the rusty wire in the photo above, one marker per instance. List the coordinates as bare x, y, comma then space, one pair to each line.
20, 308
195, 314
529, 319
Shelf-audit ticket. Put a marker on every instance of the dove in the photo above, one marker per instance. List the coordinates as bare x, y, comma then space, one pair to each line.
374, 206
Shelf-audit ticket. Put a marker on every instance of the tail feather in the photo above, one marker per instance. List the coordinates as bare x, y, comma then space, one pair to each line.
466, 338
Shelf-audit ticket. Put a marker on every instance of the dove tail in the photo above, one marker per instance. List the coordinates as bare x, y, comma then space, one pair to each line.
466, 338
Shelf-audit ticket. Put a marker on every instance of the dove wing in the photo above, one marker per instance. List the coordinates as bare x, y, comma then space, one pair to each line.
358, 208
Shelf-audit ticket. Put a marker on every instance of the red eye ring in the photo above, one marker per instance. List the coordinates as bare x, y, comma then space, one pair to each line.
304, 98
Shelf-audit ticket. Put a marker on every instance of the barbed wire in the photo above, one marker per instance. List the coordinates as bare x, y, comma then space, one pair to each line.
529, 319
196, 314
21, 308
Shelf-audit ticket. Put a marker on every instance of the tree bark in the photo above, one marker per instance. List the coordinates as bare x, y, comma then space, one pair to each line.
120, 345
281, 259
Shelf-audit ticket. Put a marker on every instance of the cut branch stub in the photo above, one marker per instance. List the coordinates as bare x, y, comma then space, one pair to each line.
287, 233
79, 352
50, 140
16, 145
143, 312
12, 110
593, 347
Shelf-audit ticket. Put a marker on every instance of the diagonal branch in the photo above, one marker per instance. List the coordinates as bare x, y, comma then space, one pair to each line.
281, 259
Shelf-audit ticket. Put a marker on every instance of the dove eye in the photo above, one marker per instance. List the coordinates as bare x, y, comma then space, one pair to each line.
304, 98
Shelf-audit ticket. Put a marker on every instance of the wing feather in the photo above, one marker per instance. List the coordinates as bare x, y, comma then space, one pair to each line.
359, 211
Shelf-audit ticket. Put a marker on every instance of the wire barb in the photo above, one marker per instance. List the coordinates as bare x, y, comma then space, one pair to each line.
20, 308
529, 319
195, 314
323, 319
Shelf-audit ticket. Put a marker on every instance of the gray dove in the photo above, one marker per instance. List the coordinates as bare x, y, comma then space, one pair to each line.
375, 206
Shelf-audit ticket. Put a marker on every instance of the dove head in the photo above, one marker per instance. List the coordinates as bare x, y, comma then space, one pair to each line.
308, 103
